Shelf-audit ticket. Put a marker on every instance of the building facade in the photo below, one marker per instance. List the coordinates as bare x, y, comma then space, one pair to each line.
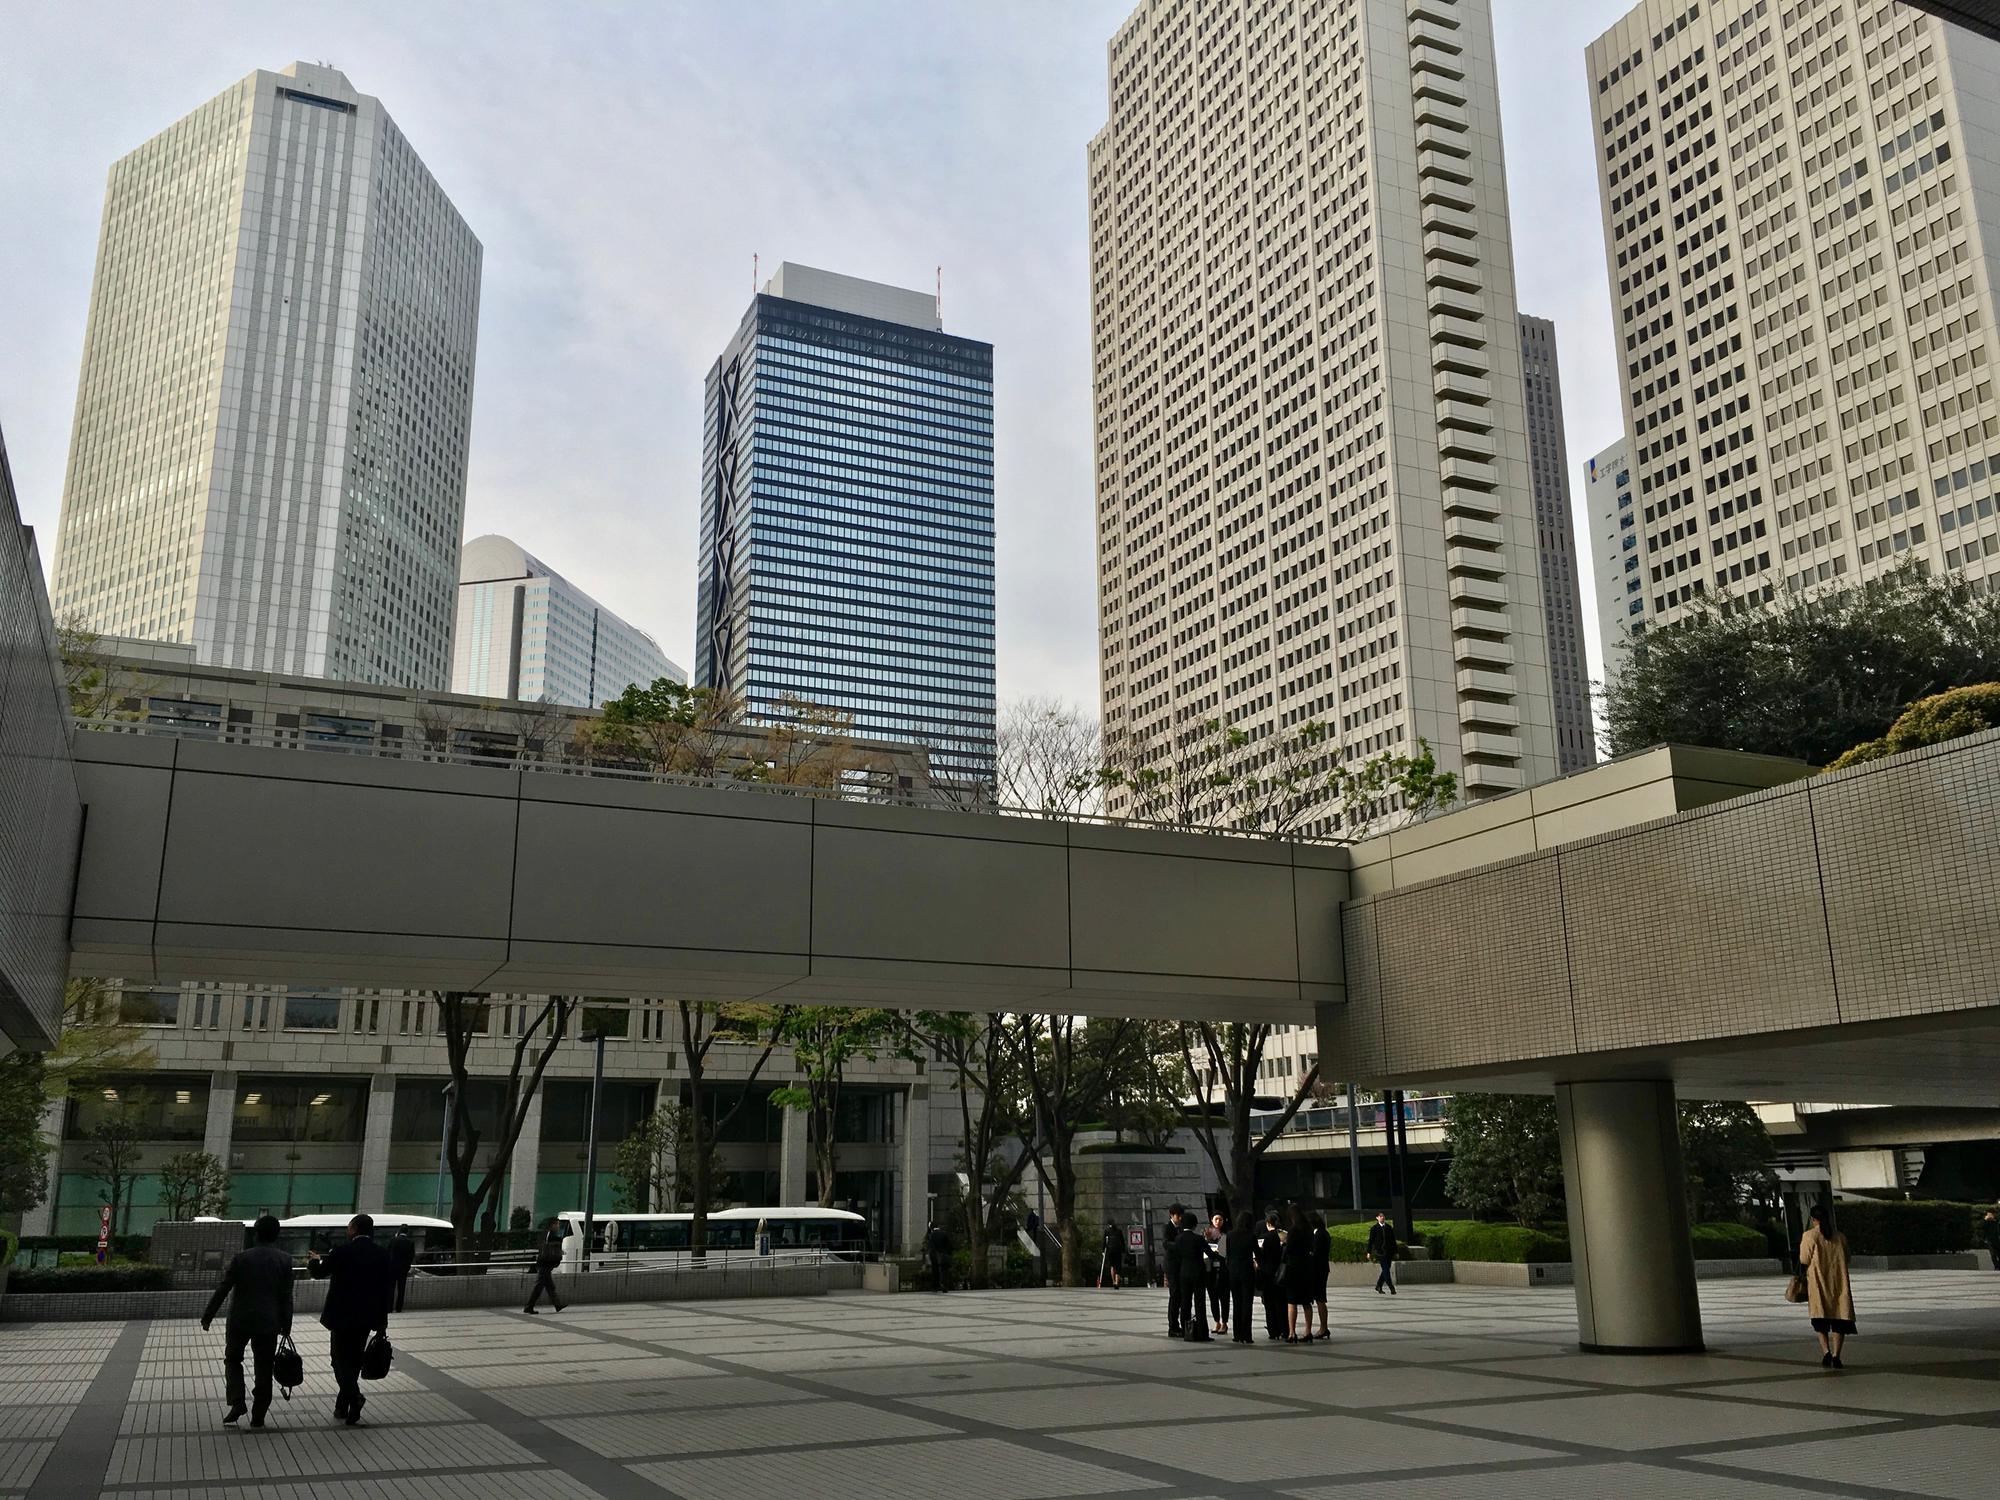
847, 517
1799, 201
1562, 604
1614, 554
524, 631
269, 451
1313, 488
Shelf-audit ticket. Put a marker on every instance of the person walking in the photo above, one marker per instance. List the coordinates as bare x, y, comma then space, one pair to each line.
1322, 1264
403, 1253
1170, 1258
361, 1282
1270, 1255
1382, 1250
258, 1286
548, 1255
1989, 1230
937, 1245
1114, 1258
1240, 1257
1823, 1264
1191, 1251
1216, 1270
1296, 1274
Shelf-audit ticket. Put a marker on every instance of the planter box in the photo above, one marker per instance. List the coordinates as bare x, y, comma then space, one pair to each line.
1755, 1265
881, 1276
1509, 1273
1954, 1260
1408, 1273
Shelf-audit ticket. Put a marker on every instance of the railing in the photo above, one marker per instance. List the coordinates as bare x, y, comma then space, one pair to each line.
1428, 1111
523, 1262
937, 797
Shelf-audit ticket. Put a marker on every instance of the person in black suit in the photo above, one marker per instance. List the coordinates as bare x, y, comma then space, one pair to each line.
1296, 1274
1240, 1256
548, 1258
1170, 1256
1191, 1253
258, 1285
1322, 1264
403, 1252
937, 1246
1382, 1250
363, 1284
1270, 1253
1113, 1263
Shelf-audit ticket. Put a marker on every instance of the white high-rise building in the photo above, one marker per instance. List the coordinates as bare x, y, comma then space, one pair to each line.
269, 452
525, 631
1313, 489
1800, 206
1614, 554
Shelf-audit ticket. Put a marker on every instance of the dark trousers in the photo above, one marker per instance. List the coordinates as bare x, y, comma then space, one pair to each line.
347, 1345
1240, 1292
1174, 1306
545, 1281
1194, 1308
402, 1286
262, 1347
1385, 1279
1274, 1307
1218, 1297
941, 1273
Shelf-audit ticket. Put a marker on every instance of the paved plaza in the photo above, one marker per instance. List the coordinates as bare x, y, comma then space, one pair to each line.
1013, 1395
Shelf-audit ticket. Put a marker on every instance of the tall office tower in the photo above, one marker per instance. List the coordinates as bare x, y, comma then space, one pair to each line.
1562, 606
1798, 201
525, 631
1614, 554
847, 516
268, 458
1313, 492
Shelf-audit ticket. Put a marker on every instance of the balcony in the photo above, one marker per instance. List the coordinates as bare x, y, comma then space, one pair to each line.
1455, 385
1432, 110
1477, 651
1451, 273
1437, 219
1480, 617
1440, 13
1484, 503
1472, 680
1456, 442
1446, 140
1468, 473
1454, 167
1455, 300
1428, 33
1469, 426
1486, 743
1450, 328
1466, 529
1484, 778
1468, 590
1429, 87
1450, 193
1473, 711
1471, 559
1440, 246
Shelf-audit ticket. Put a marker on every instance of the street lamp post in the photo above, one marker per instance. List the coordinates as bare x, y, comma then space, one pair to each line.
1353, 1149
590, 1152
444, 1147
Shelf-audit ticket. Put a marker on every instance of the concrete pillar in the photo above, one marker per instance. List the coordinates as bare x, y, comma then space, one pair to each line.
792, 1158
220, 1129
41, 1219
525, 1170
371, 1187
1628, 1222
916, 1165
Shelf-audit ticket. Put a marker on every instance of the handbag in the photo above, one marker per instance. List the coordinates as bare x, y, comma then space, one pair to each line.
1795, 1289
376, 1358
287, 1368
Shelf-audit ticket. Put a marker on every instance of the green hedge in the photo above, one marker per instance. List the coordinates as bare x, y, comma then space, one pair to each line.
132, 1246
92, 1279
8, 1244
1904, 1228
1729, 1242
1510, 1244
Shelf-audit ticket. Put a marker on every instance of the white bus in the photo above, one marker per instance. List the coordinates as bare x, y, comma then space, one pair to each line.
622, 1239
299, 1236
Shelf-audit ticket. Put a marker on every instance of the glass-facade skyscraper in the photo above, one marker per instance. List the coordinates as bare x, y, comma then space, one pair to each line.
847, 516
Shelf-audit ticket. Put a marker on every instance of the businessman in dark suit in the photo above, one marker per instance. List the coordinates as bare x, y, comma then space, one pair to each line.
363, 1278
1269, 1252
258, 1288
1382, 1250
1171, 1260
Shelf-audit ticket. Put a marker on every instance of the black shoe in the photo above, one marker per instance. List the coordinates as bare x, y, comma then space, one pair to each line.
531, 1310
236, 1409
257, 1419
561, 1306
1826, 1361
354, 1411
1837, 1364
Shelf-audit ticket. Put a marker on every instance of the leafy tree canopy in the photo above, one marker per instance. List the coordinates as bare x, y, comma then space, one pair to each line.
1803, 676
1932, 721
1506, 1158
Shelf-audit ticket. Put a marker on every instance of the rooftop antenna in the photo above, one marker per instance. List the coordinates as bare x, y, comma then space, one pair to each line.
753, 273
940, 296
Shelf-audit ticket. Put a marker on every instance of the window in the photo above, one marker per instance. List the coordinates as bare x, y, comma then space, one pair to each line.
331, 732
185, 719
308, 1011
149, 1007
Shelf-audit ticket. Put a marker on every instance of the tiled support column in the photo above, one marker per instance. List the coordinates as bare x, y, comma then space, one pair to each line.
371, 1189
916, 1164
220, 1129
525, 1169
41, 1219
792, 1159
1628, 1219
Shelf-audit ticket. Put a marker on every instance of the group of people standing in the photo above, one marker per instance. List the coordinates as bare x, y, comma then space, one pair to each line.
1214, 1272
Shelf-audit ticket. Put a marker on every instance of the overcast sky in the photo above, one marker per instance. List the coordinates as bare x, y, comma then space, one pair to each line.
623, 163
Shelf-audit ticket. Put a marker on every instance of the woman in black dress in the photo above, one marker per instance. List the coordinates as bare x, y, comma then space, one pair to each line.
1297, 1274
1322, 1259
1240, 1254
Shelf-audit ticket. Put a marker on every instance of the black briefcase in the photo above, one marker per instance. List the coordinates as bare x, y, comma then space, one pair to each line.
287, 1369
377, 1357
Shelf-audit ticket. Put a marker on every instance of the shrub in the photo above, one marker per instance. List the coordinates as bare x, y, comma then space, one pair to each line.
1729, 1242
1350, 1243
1903, 1228
1511, 1244
1931, 721
127, 1278
8, 1244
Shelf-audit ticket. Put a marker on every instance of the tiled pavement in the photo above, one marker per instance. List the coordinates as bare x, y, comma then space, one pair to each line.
1012, 1395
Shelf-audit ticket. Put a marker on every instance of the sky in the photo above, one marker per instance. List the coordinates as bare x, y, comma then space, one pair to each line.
622, 165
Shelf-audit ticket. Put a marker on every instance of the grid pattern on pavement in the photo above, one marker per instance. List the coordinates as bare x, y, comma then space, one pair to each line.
1039, 1396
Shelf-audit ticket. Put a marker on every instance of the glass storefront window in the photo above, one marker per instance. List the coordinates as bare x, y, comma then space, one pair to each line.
149, 1007
311, 1012
299, 1109
160, 1107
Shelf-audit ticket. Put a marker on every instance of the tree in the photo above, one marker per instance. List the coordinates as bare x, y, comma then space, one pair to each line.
96, 695
655, 1163
24, 1150
464, 1018
824, 1039
1803, 675
93, 1044
111, 1158
978, 1050
1047, 755
803, 745
669, 728
1391, 781
1066, 1064
1728, 1156
1142, 1094
1931, 721
193, 1184
1506, 1157
1230, 1055
702, 1025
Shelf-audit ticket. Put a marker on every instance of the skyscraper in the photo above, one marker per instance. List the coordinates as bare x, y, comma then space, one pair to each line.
269, 452
1562, 605
1614, 554
847, 516
1313, 492
1799, 201
525, 631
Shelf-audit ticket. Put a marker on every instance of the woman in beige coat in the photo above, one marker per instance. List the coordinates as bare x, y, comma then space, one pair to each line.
1823, 1264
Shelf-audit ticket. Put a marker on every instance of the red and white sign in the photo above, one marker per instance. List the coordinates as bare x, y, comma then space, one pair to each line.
1135, 1238
103, 1232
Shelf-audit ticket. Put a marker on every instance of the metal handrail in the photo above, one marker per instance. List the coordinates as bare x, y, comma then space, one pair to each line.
415, 748
641, 1260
